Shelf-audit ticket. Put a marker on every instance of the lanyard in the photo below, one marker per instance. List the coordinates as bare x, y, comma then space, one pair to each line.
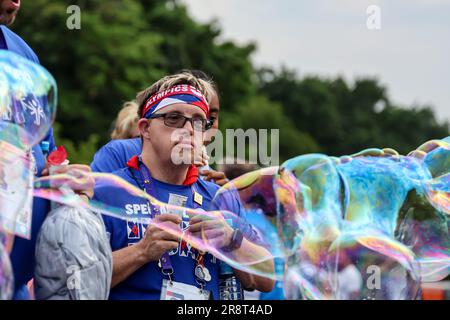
200, 271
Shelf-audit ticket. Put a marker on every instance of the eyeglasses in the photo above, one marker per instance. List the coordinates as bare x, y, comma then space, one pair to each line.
176, 120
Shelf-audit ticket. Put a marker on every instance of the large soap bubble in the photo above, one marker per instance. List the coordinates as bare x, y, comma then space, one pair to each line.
16, 190
6, 274
372, 228
27, 110
364, 228
27, 100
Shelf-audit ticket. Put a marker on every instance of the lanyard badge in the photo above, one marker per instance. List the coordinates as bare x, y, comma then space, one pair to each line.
198, 198
202, 275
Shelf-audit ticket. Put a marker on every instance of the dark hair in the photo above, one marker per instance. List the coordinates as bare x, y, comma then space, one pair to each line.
200, 74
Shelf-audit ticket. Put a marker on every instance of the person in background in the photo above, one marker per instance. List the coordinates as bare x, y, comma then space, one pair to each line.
125, 126
8, 39
22, 253
115, 154
206, 172
232, 170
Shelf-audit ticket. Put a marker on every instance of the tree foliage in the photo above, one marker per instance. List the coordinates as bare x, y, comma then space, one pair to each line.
123, 46
345, 118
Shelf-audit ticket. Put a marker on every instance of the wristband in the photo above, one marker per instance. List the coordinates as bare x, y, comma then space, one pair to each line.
236, 241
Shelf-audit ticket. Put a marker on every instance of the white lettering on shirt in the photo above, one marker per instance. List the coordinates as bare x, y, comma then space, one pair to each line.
137, 208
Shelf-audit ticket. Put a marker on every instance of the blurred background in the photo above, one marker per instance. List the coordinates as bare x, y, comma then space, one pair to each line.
311, 69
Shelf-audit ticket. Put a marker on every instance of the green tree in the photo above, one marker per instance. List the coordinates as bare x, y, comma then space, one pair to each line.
260, 113
123, 46
111, 57
344, 118
189, 44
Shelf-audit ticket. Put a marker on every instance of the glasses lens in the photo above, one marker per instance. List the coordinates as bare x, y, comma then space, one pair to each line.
174, 120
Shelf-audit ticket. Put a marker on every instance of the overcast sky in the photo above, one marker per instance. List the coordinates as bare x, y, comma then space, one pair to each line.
410, 54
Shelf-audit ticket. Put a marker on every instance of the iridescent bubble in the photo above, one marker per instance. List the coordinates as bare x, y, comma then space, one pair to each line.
252, 258
359, 240
16, 190
27, 100
6, 274
351, 228
27, 111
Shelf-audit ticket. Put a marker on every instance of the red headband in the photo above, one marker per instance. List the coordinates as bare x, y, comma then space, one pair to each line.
182, 93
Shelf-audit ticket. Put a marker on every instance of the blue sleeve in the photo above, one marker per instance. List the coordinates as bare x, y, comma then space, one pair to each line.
106, 160
114, 155
16, 44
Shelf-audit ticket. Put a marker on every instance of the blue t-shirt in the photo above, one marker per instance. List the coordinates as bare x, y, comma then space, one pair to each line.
22, 254
115, 154
12, 42
146, 282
